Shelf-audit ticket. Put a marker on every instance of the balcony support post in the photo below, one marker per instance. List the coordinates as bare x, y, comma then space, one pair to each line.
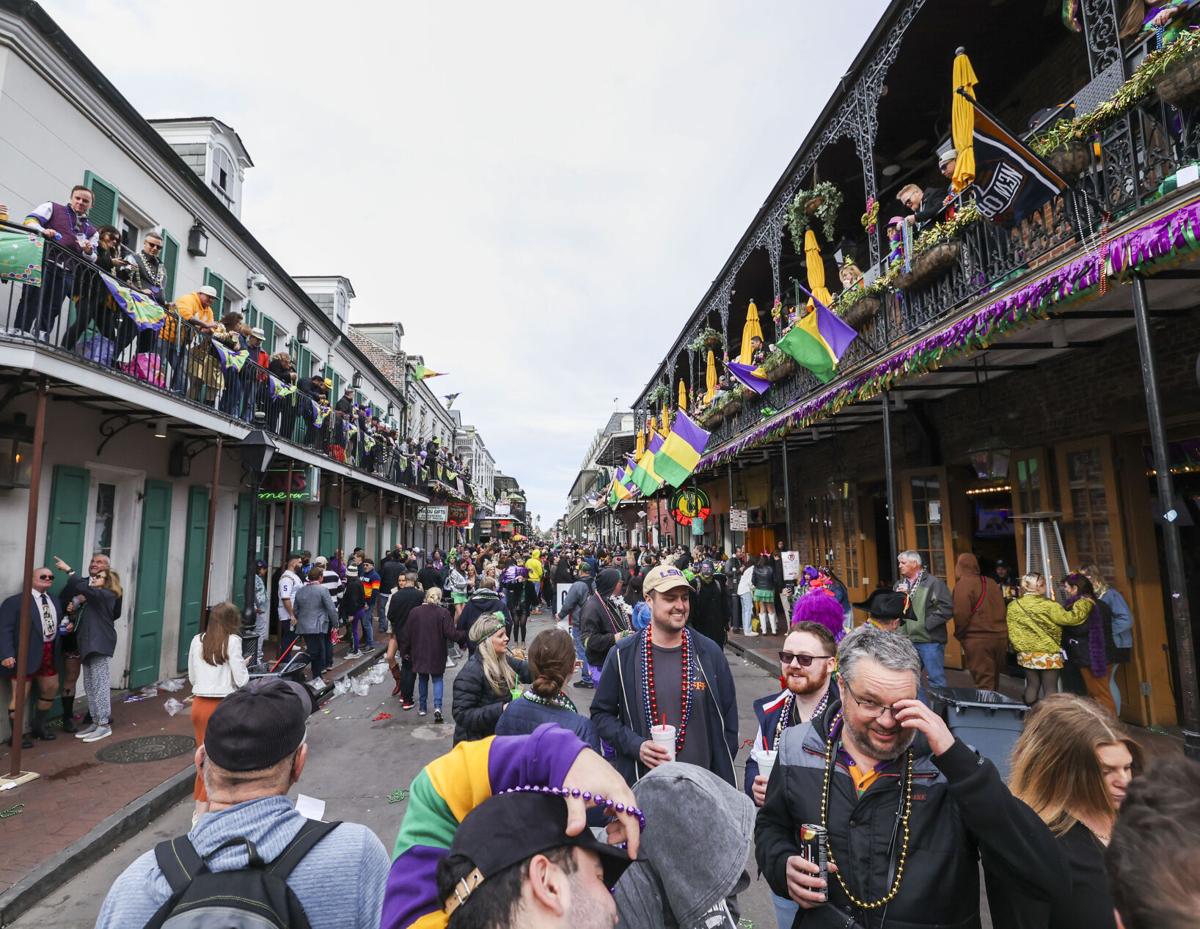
787, 498
889, 480
729, 472
1185, 655
208, 535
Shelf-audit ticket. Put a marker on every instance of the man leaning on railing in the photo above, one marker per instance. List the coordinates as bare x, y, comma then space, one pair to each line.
195, 313
68, 225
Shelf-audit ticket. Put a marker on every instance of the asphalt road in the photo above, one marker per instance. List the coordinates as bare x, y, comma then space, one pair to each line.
354, 765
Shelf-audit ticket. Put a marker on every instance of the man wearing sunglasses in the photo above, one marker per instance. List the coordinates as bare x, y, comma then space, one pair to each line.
44, 652
148, 272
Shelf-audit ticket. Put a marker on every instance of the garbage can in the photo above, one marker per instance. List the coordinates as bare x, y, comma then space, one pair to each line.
294, 668
988, 721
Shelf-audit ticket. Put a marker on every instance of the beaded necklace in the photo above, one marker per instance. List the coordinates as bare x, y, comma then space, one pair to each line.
561, 701
649, 698
616, 626
907, 795
786, 716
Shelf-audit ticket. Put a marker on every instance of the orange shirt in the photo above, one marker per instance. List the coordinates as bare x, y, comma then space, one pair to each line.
188, 307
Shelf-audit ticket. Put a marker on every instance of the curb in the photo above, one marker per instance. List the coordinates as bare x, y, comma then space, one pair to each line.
753, 657
115, 829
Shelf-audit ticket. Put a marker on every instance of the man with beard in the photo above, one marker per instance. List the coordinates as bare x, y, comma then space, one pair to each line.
667, 673
908, 809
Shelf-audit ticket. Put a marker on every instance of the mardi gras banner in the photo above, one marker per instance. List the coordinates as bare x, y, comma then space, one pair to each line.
145, 313
21, 257
229, 358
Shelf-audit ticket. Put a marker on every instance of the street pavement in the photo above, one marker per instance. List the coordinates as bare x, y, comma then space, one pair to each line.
355, 764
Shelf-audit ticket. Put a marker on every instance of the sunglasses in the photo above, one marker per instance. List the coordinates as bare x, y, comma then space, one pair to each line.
45, 577
801, 659
150, 246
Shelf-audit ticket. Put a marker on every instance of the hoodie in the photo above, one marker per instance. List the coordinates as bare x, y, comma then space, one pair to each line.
662, 891
483, 601
979, 608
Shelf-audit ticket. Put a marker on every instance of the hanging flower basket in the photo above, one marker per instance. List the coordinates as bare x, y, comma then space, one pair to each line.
862, 311
711, 416
1070, 159
930, 266
1180, 84
778, 365
821, 204
707, 338
732, 406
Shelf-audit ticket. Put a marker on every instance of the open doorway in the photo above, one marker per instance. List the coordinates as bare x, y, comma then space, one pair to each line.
993, 533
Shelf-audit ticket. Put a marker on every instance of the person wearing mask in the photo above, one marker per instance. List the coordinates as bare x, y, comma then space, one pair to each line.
41, 661
315, 616
352, 608
97, 639
1072, 765
928, 608
763, 581
487, 682
1121, 627
572, 612
426, 636
908, 819
602, 621
216, 669
1089, 646
406, 596
708, 615
551, 662
1035, 625
980, 622
483, 601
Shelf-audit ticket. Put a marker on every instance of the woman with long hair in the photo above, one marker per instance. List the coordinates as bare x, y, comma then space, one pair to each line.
1035, 625
551, 664
763, 581
1072, 766
216, 668
1088, 647
1121, 627
96, 635
425, 639
487, 682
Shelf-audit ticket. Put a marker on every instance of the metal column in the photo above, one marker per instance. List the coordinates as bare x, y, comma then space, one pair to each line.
787, 498
1185, 655
889, 480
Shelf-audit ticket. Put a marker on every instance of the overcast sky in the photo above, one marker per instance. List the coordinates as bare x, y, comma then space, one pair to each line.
540, 192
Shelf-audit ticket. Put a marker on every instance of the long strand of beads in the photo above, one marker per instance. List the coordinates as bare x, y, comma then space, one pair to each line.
585, 795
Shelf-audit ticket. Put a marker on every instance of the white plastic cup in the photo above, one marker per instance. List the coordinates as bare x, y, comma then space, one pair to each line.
766, 763
665, 736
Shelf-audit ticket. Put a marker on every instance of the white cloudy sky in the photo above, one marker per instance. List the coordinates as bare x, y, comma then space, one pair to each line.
549, 187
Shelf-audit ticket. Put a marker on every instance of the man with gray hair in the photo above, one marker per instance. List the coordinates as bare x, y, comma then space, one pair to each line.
927, 608
907, 809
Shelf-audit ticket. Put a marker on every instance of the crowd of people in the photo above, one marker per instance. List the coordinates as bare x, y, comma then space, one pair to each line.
858, 803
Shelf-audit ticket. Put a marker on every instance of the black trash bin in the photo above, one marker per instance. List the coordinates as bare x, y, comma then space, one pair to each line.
295, 667
987, 721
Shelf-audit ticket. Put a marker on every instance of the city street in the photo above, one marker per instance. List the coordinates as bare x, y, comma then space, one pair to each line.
354, 765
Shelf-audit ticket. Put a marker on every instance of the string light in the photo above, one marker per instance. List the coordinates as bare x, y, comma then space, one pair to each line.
1002, 488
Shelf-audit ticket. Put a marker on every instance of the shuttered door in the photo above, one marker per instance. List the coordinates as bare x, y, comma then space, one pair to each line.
328, 537
105, 198
153, 554
170, 259
194, 569
66, 526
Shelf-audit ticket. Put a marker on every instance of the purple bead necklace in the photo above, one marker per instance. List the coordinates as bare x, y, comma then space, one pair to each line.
586, 795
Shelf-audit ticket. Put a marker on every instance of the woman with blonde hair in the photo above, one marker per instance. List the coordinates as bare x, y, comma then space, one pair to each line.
1035, 625
487, 682
96, 634
216, 668
1072, 765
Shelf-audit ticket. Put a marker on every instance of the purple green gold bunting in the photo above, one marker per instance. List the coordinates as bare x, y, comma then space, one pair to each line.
750, 376
681, 450
230, 359
279, 389
21, 257
644, 476
145, 313
818, 341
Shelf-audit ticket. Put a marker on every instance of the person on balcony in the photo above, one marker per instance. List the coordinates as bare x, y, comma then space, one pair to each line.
253, 375
66, 224
928, 205
194, 310
147, 273
107, 336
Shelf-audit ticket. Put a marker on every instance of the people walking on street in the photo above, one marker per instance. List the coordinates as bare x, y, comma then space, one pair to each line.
601, 620
97, 638
254, 752
745, 592
1035, 625
668, 679
710, 616
41, 660
404, 599
762, 579
571, 612
216, 669
533, 580
926, 810
980, 622
884, 608
285, 591
369, 578
426, 637
262, 626
353, 608
819, 605
487, 682
72, 660
456, 583
391, 568
928, 607
1122, 627
483, 601
551, 663
315, 617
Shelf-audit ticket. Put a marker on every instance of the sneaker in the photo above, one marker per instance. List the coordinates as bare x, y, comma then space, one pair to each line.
449, 662
584, 685
100, 732
353, 654
422, 713
437, 715
85, 731
406, 706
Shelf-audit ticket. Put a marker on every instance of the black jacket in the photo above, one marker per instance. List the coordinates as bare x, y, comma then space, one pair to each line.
961, 811
389, 574
620, 716
596, 619
399, 606
10, 631
353, 598
429, 576
710, 612
763, 577
476, 707
481, 602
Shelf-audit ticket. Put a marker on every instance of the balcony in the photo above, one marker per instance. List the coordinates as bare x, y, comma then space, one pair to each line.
74, 314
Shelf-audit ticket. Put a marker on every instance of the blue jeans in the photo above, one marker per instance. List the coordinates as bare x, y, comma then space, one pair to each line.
383, 605
368, 635
585, 673
933, 659
747, 610
423, 691
785, 910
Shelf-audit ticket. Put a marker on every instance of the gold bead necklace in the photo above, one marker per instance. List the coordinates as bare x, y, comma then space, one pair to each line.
891, 894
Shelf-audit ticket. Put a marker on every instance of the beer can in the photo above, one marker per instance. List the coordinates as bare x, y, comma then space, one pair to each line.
814, 847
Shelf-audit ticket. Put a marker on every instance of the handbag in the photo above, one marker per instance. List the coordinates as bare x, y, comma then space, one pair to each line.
147, 367
99, 348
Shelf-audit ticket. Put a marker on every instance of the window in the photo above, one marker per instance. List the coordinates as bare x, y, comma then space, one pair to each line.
1090, 523
222, 178
130, 234
102, 519
927, 523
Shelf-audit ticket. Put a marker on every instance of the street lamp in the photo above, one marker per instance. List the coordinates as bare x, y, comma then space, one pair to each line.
257, 450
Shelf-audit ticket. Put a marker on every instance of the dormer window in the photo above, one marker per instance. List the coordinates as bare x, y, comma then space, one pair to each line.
223, 173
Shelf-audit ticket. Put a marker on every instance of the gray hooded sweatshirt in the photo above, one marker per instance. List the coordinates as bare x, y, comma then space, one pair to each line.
691, 863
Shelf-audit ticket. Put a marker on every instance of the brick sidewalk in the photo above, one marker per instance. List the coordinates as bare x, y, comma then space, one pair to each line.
76, 790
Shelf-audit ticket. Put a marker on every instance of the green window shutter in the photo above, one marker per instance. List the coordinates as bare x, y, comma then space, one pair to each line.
268, 328
105, 198
215, 280
170, 259
66, 525
251, 315
335, 392
304, 365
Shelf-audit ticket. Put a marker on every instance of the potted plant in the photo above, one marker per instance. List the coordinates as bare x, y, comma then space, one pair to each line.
706, 338
778, 365
1179, 81
821, 204
936, 251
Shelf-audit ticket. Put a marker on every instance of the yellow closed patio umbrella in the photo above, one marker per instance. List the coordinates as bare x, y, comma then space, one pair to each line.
710, 378
816, 269
665, 421
641, 443
752, 328
962, 121
682, 395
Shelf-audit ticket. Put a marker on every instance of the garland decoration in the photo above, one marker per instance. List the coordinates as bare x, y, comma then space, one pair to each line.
1116, 257
802, 212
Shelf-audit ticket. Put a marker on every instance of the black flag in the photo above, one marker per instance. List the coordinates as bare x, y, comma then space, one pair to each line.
1011, 182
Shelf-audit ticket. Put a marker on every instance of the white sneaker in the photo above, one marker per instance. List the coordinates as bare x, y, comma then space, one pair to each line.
353, 654
449, 662
100, 732
84, 733
750, 634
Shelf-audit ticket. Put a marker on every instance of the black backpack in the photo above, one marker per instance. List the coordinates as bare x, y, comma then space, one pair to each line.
254, 897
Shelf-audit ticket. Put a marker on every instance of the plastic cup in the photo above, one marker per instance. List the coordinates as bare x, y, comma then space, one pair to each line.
664, 736
766, 763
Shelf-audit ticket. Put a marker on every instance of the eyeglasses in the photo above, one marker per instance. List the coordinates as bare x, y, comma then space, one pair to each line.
152, 247
45, 577
870, 707
801, 658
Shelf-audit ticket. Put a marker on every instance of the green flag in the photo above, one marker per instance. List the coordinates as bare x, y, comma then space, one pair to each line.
21, 257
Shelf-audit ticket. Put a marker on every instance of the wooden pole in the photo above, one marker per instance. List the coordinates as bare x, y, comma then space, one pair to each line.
208, 535
31, 524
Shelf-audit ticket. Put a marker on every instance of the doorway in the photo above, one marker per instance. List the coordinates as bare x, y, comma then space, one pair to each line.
993, 533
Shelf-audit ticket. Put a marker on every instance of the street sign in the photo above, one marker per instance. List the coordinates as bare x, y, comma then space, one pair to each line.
432, 514
504, 509
791, 565
737, 521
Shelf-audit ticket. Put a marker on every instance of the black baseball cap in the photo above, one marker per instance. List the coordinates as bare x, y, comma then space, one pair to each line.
259, 725
883, 604
527, 824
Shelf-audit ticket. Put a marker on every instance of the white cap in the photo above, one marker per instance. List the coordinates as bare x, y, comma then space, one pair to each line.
208, 290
